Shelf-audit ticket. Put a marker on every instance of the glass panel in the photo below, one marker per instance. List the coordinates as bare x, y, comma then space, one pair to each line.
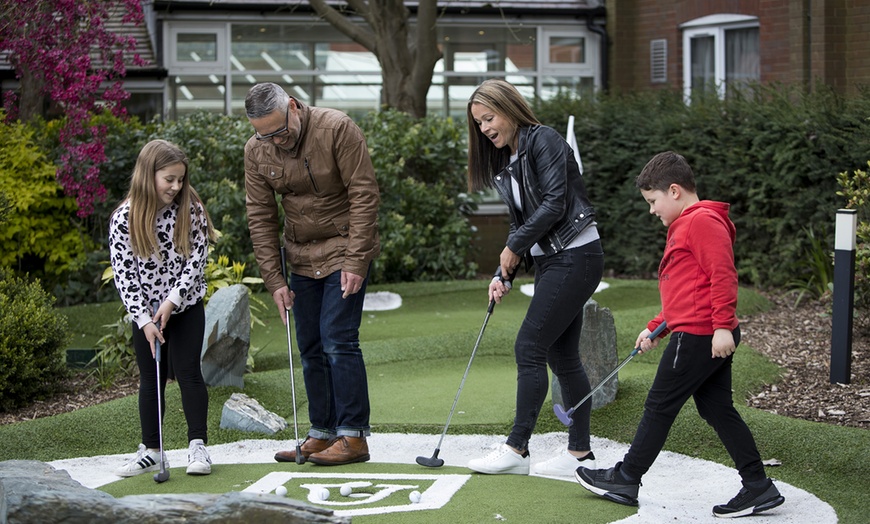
481, 48
576, 85
567, 50
196, 47
301, 87
703, 64
270, 48
741, 57
146, 106
348, 56
197, 93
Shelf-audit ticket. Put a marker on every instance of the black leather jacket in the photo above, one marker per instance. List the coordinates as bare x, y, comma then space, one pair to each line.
555, 207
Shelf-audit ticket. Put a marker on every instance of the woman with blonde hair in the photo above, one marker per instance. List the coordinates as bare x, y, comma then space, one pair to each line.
552, 228
158, 242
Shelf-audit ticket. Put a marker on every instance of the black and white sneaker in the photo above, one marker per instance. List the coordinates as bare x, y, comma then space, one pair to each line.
608, 483
750, 502
145, 461
198, 460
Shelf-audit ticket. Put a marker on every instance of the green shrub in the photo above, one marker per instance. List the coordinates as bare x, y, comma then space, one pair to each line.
38, 235
772, 152
420, 166
33, 341
856, 189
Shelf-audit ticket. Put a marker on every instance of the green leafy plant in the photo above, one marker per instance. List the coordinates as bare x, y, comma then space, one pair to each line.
855, 188
818, 266
33, 341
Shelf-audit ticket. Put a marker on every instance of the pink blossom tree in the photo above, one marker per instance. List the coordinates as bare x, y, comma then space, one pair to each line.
62, 50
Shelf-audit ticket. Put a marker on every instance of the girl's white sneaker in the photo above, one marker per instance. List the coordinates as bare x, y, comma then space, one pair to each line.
198, 461
145, 461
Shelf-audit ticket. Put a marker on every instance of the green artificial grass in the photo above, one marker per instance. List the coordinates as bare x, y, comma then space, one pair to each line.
483, 498
416, 356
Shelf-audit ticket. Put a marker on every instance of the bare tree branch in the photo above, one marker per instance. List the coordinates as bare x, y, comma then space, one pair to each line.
340, 22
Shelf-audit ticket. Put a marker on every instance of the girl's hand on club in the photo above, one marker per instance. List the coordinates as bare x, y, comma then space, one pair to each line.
161, 318
152, 333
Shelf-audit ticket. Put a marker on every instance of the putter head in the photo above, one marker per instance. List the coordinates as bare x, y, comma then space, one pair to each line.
161, 477
300, 458
562, 415
431, 462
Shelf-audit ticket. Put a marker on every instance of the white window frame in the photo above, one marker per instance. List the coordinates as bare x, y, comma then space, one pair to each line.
715, 26
219, 30
591, 42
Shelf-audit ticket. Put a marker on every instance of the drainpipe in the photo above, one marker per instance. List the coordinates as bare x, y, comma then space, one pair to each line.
603, 51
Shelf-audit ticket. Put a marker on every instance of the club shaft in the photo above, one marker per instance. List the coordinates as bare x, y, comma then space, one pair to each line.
155, 305
467, 368
635, 351
290, 351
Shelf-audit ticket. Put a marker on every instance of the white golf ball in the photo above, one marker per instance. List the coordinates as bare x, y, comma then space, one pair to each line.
414, 496
324, 494
280, 491
346, 490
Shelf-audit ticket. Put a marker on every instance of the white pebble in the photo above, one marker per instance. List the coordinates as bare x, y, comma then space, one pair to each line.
280, 491
414, 496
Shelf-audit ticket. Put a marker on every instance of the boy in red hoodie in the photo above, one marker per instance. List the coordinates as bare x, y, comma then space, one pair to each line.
698, 287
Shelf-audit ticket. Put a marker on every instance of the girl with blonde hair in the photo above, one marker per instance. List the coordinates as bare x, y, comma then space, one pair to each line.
158, 243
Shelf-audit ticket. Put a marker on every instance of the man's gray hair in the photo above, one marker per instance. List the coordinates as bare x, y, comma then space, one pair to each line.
264, 99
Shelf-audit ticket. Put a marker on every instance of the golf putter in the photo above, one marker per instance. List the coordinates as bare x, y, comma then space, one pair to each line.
565, 416
299, 458
434, 461
162, 475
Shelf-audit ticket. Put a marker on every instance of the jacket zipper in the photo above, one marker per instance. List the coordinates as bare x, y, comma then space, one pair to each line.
677, 356
310, 176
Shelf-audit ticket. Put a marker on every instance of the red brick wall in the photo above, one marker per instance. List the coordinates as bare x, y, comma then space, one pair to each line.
801, 40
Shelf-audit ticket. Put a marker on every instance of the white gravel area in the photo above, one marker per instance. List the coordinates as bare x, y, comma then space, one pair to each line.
677, 488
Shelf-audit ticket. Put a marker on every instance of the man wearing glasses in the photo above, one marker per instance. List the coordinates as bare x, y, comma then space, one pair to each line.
316, 161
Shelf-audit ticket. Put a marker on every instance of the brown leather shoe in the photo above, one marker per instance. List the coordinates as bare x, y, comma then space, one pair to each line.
344, 450
309, 445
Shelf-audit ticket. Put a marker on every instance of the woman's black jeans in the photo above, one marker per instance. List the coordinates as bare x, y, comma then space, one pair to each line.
550, 334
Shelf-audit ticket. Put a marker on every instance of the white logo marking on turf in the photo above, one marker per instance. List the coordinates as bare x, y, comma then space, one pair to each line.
436, 496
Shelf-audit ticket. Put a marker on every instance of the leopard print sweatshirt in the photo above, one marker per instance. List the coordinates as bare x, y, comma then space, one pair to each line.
141, 281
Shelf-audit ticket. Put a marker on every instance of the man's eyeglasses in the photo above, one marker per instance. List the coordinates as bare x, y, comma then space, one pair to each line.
270, 136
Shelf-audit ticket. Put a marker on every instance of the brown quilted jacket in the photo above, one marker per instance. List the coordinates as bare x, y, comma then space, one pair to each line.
329, 194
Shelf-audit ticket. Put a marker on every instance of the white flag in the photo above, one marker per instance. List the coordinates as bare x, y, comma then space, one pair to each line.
572, 141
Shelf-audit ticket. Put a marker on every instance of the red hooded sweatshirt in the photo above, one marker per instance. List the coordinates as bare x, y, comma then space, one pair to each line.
697, 277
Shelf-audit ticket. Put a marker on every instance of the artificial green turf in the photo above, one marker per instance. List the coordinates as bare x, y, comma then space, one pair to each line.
435, 331
481, 499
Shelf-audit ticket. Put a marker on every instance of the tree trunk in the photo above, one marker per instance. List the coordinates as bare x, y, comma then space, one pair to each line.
30, 100
407, 55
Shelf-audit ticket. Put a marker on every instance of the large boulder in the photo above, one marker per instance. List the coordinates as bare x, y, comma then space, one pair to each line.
227, 337
246, 414
598, 354
32, 491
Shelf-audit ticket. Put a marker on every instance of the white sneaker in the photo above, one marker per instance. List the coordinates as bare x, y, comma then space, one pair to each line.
563, 465
198, 461
144, 462
502, 461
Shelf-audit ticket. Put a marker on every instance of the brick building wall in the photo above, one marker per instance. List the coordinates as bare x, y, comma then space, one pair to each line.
801, 41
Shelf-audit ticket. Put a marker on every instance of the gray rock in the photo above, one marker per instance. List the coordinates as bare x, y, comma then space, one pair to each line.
598, 354
227, 337
245, 413
34, 492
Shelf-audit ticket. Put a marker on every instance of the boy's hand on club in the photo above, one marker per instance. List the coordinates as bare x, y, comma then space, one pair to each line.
644, 343
723, 343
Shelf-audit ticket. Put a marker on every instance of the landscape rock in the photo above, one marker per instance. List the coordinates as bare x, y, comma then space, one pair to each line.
227, 337
35, 492
598, 354
246, 414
